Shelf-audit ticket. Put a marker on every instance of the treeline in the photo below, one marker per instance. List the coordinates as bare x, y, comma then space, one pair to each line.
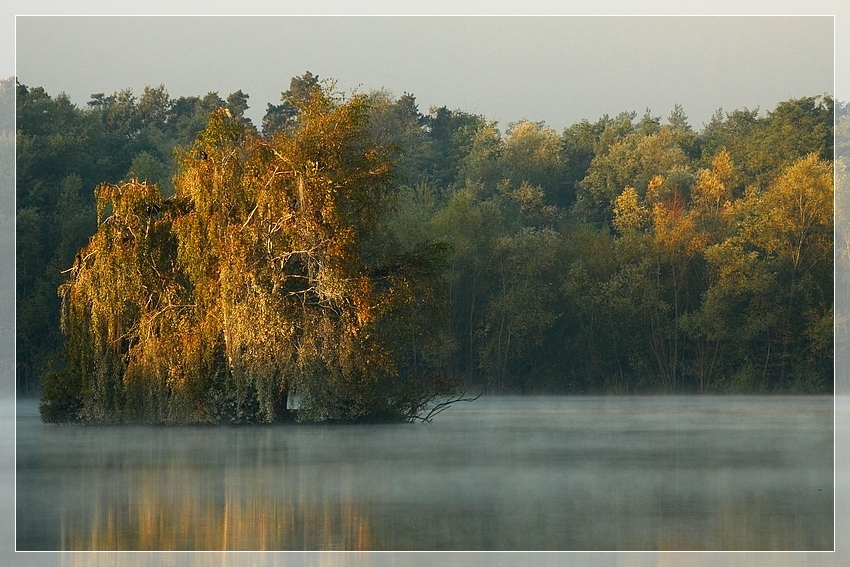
629, 255
622, 255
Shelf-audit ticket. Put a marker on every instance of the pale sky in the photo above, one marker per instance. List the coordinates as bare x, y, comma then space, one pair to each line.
555, 69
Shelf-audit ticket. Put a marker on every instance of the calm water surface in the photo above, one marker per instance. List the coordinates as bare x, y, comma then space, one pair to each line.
501, 473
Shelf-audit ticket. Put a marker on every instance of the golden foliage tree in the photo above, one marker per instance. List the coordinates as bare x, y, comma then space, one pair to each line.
269, 272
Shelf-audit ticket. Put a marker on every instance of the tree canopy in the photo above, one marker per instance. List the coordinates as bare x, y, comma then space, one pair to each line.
625, 254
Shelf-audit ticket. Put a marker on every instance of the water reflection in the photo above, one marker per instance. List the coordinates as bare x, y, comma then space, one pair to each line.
227, 559
198, 489
499, 474
170, 510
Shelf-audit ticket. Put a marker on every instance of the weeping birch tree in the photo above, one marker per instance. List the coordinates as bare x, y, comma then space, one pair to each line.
268, 273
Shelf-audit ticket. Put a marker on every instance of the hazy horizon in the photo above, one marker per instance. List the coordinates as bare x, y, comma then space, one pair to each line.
559, 70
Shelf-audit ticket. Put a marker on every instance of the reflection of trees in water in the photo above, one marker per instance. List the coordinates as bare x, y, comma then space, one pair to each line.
228, 559
174, 511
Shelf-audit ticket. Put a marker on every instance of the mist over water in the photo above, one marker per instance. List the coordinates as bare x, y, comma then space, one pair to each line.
501, 473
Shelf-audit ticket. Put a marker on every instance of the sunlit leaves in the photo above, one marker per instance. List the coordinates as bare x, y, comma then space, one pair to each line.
629, 214
793, 217
261, 276
630, 162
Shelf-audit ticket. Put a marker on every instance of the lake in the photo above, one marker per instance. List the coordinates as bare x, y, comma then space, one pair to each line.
500, 473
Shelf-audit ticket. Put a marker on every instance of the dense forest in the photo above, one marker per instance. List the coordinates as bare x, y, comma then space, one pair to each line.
624, 255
